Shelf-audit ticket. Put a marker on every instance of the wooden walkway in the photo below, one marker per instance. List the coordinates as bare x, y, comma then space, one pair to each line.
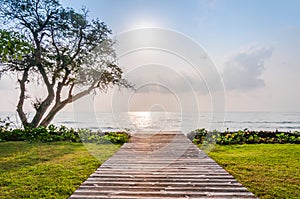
160, 165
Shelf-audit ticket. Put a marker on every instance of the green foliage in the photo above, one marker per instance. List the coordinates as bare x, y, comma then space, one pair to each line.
42, 134
13, 46
100, 137
5, 124
117, 137
53, 133
199, 135
202, 136
88, 136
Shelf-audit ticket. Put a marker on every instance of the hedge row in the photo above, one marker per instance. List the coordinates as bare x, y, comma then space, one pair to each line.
62, 133
201, 136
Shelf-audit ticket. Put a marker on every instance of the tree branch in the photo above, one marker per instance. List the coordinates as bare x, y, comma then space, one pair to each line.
73, 98
61, 85
60, 105
78, 46
40, 111
36, 12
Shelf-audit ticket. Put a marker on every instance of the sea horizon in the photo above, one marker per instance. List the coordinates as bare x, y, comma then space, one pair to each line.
185, 122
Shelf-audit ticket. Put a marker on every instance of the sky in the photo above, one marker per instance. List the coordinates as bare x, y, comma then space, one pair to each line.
252, 48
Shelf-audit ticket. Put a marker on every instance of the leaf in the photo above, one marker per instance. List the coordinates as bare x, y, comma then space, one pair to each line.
20, 57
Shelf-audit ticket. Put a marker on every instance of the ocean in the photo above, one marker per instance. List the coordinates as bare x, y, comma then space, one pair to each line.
171, 121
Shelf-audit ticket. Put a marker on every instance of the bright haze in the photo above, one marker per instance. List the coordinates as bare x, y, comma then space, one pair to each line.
254, 46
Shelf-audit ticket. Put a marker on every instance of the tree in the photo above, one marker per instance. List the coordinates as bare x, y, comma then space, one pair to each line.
46, 43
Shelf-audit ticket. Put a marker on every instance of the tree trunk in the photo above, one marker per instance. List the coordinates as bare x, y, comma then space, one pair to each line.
61, 104
41, 110
57, 107
20, 110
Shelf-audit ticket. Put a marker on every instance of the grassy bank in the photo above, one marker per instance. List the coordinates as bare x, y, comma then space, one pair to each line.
47, 170
268, 170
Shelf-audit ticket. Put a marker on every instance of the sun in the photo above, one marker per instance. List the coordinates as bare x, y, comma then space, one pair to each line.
145, 22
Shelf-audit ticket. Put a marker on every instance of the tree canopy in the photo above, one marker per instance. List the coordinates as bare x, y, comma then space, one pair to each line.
45, 42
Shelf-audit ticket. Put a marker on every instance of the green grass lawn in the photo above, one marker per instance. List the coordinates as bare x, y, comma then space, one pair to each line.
55, 170
48, 170
268, 170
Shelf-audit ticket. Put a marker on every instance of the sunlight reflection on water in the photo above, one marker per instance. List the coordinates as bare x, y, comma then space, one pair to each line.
186, 122
173, 121
158, 121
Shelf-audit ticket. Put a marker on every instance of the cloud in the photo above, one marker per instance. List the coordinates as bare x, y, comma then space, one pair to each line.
164, 80
168, 84
244, 69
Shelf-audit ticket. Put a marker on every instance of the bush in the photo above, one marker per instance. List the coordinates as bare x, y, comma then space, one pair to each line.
53, 133
42, 134
117, 137
5, 124
100, 137
245, 136
87, 135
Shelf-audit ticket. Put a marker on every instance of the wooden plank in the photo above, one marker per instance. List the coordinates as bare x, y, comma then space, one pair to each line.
160, 165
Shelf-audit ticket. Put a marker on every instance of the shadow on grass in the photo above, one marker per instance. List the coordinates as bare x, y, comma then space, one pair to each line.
16, 155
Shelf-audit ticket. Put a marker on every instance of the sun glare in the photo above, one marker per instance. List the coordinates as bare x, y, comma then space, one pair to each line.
141, 119
145, 22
